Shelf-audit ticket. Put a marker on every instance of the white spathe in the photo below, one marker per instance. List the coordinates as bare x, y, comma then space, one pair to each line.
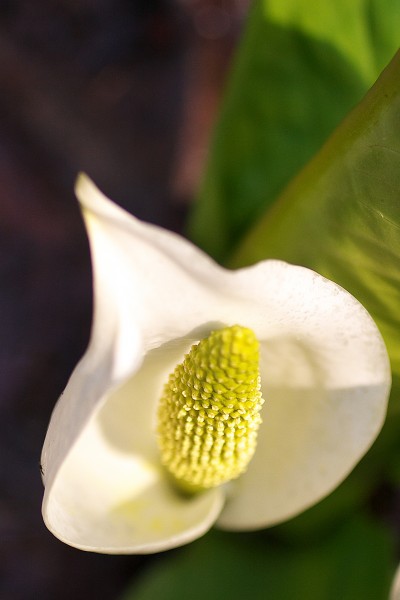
325, 379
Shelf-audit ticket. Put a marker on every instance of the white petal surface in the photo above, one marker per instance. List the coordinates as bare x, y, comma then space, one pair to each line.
325, 379
111, 493
139, 290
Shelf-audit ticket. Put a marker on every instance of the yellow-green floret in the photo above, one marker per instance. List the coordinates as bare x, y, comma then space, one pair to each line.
209, 413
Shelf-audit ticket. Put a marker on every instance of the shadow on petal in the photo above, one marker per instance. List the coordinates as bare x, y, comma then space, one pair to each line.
313, 434
128, 417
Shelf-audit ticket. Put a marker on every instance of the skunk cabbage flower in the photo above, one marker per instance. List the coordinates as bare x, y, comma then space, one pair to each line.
161, 431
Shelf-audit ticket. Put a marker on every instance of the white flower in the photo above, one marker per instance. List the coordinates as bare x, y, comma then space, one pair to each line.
325, 377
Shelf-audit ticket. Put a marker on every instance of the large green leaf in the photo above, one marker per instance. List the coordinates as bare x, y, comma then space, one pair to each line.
341, 215
353, 562
301, 66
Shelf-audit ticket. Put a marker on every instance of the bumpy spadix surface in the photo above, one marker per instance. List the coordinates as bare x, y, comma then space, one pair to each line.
209, 413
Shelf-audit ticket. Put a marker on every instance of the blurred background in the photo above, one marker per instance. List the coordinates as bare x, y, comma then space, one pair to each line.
126, 91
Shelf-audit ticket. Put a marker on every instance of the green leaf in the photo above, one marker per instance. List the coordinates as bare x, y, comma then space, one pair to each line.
354, 561
300, 68
341, 215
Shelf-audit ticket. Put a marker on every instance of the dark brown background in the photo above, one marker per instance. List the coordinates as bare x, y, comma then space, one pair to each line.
126, 91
